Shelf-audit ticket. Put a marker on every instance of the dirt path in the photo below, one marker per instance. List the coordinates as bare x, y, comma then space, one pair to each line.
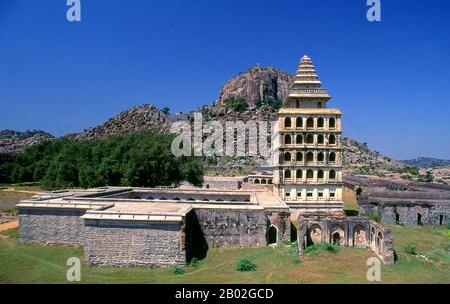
20, 191
8, 225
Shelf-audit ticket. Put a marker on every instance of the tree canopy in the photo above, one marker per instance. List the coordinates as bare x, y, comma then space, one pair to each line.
141, 159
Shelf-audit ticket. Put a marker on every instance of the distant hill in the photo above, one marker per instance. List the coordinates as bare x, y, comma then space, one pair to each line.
427, 162
136, 118
257, 84
13, 142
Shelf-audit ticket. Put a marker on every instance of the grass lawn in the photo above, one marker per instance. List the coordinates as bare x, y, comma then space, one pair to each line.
40, 264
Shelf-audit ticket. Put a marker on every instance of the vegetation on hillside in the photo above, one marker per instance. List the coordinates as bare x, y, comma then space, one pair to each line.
236, 104
274, 104
139, 159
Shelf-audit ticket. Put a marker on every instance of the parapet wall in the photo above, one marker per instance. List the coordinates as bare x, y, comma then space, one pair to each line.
346, 231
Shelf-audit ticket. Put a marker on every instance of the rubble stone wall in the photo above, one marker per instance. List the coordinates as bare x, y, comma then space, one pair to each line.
410, 213
133, 244
51, 226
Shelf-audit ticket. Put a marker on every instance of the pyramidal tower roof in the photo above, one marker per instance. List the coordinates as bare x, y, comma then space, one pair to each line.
306, 72
306, 84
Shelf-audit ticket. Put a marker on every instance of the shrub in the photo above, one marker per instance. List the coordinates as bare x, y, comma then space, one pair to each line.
322, 247
438, 255
178, 270
351, 212
245, 265
239, 104
374, 215
13, 210
194, 262
410, 248
296, 261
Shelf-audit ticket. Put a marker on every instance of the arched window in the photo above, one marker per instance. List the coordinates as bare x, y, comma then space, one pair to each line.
320, 174
332, 123
320, 157
332, 174
299, 123
256, 181
310, 123
287, 139
309, 173
299, 156
320, 122
309, 139
299, 173
309, 157
263, 181
332, 140
287, 156
320, 139
287, 122
299, 139
332, 157
287, 173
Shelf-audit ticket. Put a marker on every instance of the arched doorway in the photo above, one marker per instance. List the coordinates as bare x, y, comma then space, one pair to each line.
314, 234
359, 237
272, 235
337, 237
379, 243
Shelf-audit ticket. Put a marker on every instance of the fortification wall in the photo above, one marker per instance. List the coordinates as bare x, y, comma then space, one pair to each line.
133, 244
51, 226
410, 213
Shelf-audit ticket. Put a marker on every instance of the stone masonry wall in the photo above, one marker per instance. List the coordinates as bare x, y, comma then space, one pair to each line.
407, 213
233, 227
51, 226
133, 244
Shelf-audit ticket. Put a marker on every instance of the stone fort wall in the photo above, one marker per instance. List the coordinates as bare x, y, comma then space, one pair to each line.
233, 227
410, 213
51, 226
133, 244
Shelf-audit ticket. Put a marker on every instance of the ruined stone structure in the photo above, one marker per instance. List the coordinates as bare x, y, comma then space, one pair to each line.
301, 201
308, 169
402, 202
346, 231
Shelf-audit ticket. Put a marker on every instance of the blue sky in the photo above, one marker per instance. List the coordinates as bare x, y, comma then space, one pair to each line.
390, 78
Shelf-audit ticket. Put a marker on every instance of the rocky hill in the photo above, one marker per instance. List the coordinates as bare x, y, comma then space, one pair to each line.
359, 159
12, 142
427, 162
145, 116
257, 83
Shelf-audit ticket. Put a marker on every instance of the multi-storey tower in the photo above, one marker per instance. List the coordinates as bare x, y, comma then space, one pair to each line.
308, 158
